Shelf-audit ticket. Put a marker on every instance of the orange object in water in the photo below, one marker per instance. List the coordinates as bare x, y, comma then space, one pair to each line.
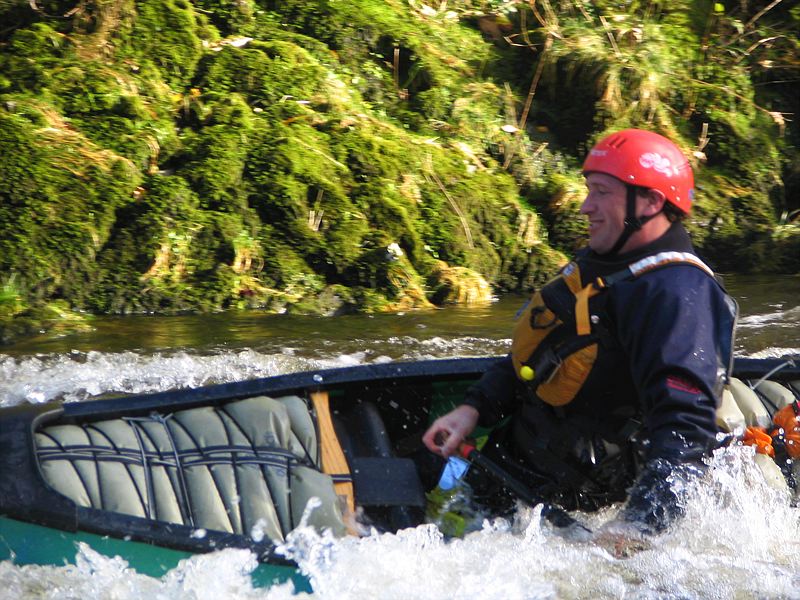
788, 419
758, 437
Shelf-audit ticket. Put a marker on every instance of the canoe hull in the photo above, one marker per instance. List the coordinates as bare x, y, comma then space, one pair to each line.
26, 543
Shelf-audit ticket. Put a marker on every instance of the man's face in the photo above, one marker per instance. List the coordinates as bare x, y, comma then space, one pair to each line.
605, 207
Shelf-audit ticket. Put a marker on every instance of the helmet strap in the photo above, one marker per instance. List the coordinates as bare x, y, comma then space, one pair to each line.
632, 222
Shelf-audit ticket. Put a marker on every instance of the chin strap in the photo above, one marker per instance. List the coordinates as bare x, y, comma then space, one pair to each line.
632, 222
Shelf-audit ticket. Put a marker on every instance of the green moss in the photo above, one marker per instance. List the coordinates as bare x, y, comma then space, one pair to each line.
478, 114
273, 76
216, 154
302, 190
11, 300
50, 318
458, 285
116, 110
393, 52
29, 56
165, 34
231, 16
731, 223
785, 255
394, 214
58, 197
558, 197
277, 172
168, 254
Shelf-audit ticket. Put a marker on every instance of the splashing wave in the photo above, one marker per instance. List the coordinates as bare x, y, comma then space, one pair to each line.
739, 538
79, 376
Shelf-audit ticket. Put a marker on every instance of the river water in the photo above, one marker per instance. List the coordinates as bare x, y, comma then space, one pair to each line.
740, 539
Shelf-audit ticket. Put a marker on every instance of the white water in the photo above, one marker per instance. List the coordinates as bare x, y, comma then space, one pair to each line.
739, 539
79, 376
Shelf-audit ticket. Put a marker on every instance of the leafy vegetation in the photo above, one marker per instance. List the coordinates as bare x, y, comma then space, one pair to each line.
168, 155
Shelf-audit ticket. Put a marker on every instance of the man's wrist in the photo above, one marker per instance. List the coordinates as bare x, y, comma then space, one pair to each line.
473, 400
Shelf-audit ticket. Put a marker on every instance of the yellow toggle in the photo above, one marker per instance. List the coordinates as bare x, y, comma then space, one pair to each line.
527, 373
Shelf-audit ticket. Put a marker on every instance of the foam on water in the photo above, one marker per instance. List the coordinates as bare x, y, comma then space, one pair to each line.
224, 574
80, 376
739, 538
776, 353
788, 318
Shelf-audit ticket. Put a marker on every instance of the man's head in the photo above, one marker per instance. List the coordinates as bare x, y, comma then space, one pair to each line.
638, 182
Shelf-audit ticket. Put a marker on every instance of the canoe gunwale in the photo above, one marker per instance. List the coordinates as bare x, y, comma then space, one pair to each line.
304, 382
293, 383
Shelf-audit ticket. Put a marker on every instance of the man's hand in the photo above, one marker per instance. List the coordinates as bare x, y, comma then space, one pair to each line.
621, 538
448, 431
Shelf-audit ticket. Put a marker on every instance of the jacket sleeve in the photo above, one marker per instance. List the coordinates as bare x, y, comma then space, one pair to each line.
676, 326
494, 394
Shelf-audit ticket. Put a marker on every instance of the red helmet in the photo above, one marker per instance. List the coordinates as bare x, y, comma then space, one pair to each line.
646, 159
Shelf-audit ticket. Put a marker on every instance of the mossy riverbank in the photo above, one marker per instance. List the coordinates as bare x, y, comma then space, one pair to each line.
168, 155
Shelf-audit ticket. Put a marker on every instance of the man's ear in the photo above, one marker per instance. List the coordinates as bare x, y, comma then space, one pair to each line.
655, 200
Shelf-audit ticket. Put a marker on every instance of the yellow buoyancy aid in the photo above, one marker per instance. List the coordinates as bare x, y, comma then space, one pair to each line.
555, 340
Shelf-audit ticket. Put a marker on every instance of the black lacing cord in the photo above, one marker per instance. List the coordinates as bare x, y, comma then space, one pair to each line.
96, 469
292, 524
231, 421
771, 407
158, 461
237, 485
89, 452
133, 423
126, 464
203, 454
185, 503
263, 465
71, 462
780, 367
264, 456
267, 455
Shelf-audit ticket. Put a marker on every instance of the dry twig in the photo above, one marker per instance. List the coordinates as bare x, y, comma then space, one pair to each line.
462, 217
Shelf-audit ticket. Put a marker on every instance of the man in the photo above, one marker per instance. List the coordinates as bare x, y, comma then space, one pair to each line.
617, 365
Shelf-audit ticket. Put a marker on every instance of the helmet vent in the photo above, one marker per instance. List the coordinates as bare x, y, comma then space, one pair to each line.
616, 141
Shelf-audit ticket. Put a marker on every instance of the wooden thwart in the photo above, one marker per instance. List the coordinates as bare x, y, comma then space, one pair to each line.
333, 459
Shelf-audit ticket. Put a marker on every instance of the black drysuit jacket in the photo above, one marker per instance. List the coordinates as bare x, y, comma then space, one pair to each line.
647, 410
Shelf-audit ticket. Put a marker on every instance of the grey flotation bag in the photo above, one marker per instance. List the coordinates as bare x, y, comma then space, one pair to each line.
745, 406
246, 467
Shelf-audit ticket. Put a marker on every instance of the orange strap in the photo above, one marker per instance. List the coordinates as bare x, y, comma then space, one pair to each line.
583, 325
789, 421
758, 437
333, 459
